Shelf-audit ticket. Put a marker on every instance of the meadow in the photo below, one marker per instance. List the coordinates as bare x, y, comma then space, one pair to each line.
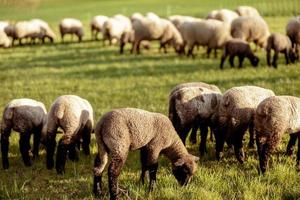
109, 80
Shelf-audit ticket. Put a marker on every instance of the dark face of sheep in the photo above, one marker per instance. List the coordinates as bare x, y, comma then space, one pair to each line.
293, 55
254, 61
179, 49
184, 169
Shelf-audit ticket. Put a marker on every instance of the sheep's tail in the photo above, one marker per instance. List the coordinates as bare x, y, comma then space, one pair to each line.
102, 155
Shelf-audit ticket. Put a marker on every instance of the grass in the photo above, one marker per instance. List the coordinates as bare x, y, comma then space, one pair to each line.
109, 80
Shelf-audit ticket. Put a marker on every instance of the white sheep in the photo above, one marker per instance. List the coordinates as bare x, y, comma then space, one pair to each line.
49, 33
247, 11
75, 116
97, 25
27, 29
27, 117
4, 40
71, 26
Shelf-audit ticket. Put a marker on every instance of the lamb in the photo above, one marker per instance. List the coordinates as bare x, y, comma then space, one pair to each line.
280, 44
274, 117
27, 29
4, 40
235, 116
240, 48
251, 29
71, 26
211, 33
25, 116
45, 26
122, 130
75, 116
191, 105
247, 11
97, 25
293, 31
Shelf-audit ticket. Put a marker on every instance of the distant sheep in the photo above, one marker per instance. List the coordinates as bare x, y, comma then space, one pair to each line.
274, 117
97, 24
247, 11
293, 31
123, 130
71, 26
251, 29
49, 33
280, 44
4, 40
27, 117
75, 116
29, 30
240, 48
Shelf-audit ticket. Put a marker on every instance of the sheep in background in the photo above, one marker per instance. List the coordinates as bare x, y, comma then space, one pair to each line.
97, 25
49, 33
247, 11
71, 26
293, 31
29, 30
4, 40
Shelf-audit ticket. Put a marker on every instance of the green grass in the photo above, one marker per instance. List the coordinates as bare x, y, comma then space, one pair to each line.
109, 80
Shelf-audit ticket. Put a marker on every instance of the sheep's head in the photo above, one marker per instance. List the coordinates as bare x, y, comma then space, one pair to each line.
293, 55
184, 168
254, 61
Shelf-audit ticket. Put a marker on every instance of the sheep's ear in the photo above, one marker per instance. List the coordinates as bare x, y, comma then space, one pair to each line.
179, 163
195, 158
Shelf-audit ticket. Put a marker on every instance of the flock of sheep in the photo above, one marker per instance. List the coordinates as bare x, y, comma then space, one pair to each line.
192, 106
231, 30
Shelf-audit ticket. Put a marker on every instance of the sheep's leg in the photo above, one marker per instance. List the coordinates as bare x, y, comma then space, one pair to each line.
269, 57
291, 144
193, 136
152, 166
211, 137
114, 170
220, 140
61, 156
4, 147
73, 151
238, 146
208, 51
216, 53
86, 138
62, 37
79, 38
190, 52
143, 157
36, 143
224, 56
231, 60
24, 144
122, 45
183, 134
241, 60
204, 131
274, 63
286, 55
50, 148
251, 132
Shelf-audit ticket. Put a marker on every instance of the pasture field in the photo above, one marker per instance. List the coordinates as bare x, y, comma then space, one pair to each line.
109, 80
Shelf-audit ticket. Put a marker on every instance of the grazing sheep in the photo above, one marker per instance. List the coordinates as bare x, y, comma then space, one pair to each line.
240, 48
235, 116
293, 31
122, 130
247, 11
159, 29
4, 40
226, 15
10, 31
25, 116
280, 44
27, 29
71, 26
274, 117
191, 105
45, 26
97, 25
211, 33
251, 29
75, 116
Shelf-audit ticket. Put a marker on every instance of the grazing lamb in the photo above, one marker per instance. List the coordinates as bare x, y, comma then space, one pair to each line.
158, 29
122, 130
280, 44
28, 29
45, 26
251, 29
247, 11
240, 48
25, 116
71, 26
97, 25
191, 105
274, 117
75, 116
293, 31
211, 33
235, 116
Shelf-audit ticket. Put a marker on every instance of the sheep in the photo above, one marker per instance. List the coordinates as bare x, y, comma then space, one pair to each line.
71, 26
293, 31
247, 11
235, 116
274, 117
177, 20
212, 14
280, 44
125, 129
75, 116
25, 116
191, 105
97, 25
240, 48
10, 31
27, 29
4, 40
226, 15
251, 29
211, 33
159, 29
45, 26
